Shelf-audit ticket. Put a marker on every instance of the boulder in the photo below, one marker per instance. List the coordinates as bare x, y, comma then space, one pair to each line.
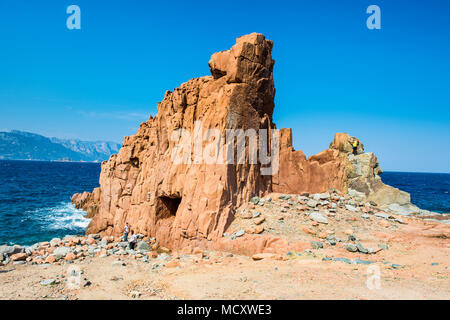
318, 217
18, 257
61, 252
10, 250
143, 246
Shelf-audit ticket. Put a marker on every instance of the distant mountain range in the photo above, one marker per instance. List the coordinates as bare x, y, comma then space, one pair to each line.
20, 145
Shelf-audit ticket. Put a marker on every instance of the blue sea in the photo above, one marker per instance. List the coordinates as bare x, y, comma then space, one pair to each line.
35, 197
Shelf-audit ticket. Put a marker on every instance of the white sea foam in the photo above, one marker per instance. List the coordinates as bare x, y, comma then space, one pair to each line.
62, 217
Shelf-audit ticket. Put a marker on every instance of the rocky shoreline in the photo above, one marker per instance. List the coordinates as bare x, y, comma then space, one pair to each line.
309, 233
306, 222
201, 226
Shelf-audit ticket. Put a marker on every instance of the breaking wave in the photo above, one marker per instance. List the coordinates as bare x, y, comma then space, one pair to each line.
61, 217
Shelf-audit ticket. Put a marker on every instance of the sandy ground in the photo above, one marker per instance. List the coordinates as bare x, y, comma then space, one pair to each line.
415, 264
239, 277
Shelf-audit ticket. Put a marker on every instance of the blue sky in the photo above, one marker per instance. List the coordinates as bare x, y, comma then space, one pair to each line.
389, 87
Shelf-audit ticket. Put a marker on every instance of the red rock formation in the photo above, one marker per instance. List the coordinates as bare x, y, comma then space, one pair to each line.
190, 202
142, 186
319, 173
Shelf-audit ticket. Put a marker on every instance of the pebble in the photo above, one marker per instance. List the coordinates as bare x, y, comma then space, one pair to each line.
359, 261
238, 233
382, 215
343, 260
361, 248
48, 282
318, 217
254, 200
351, 208
316, 245
312, 203
256, 214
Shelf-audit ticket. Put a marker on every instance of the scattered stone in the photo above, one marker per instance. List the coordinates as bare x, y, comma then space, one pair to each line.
10, 250
119, 263
259, 220
321, 196
332, 242
254, 200
316, 245
18, 257
246, 215
399, 220
360, 248
261, 256
318, 217
259, 229
164, 250
49, 282
70, 256
359, 261
351, 247
143, 246
308, 230
312, 203
382, 215
343, 260
351, 208
238, 234
60, 252
302, 199
50, 260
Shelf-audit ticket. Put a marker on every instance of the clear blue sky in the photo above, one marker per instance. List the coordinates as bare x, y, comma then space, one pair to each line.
389, 87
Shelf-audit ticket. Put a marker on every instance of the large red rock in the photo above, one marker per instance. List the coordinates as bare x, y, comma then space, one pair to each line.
192, 203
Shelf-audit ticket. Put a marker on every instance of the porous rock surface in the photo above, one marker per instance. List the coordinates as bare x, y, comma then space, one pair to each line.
192, 203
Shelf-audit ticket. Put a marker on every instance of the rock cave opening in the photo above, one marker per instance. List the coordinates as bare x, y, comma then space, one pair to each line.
169, 206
